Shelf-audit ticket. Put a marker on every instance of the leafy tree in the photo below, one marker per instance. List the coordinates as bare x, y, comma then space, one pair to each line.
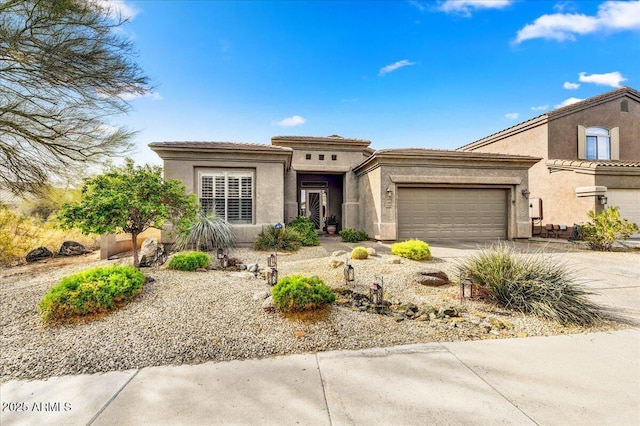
129, 199
605, 228
65, 71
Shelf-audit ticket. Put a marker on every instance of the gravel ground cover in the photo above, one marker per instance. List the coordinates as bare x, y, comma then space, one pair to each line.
193, 317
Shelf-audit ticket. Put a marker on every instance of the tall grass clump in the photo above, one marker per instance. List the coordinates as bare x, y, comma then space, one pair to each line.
93, 291
307, 230
207, 233
283, 239
532, 284
189, 261
297, 293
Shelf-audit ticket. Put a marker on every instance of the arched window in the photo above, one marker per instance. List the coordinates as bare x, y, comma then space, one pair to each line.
598, 145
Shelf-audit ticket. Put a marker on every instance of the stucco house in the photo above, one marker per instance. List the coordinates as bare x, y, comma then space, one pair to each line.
590, 158
392, 194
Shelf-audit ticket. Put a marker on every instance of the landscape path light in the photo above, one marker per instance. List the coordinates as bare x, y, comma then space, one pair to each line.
349, 272
466, 286
376, 294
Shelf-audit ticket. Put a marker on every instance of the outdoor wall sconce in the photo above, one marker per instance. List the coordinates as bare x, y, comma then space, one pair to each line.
525, 193
272, 277
466, 289
349, 272
602, 199
389, 191
376, 295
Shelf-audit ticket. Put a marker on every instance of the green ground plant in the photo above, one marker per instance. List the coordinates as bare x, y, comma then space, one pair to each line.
359, 253
283, 239
93, 291
307, 230
297, 293
533, 284
189, 261
412, 249
350, 235
605, 228
206, 232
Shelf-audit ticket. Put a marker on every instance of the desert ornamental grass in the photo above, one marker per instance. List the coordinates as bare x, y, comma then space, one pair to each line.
532, 284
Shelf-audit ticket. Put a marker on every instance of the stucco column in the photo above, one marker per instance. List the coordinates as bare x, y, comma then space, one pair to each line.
350, 202
290, 195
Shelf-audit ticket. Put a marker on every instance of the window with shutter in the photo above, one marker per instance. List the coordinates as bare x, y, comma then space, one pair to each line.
229, 194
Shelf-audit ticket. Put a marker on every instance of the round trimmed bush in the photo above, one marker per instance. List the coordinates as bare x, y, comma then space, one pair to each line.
93, 291
189, 261
297, 293
412, 249
359, 253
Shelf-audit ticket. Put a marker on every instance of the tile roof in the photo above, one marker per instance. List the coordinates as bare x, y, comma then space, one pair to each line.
331, 138
230, 146
428, 152
589, 164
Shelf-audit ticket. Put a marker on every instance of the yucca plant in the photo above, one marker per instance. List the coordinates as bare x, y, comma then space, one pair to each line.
533, 284
208, 232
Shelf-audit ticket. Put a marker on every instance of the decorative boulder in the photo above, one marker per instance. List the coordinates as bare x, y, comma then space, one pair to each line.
39, 254
334, 263
152, 253
431, 278
371, 251
71, 248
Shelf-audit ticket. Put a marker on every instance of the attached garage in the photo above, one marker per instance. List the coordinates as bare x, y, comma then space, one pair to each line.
452, 213
628, 200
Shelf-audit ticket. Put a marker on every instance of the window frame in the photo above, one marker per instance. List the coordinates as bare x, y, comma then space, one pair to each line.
598, 144
236, 202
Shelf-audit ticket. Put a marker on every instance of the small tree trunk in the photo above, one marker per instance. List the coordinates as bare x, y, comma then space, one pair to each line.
134, 241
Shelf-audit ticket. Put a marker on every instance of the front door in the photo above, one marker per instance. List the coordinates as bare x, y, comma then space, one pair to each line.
314, 206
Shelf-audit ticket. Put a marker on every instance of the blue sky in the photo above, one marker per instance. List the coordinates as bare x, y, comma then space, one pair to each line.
432, 74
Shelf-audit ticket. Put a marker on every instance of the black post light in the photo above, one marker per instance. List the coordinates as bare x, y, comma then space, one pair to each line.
376, 294
466, 287
272, 276
349, 272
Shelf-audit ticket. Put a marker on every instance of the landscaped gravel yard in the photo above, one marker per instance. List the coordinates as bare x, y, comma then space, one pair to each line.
192, 317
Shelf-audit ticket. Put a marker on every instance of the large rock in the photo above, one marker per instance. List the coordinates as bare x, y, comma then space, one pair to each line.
334, 263
39, 254
152, 253
431, 278
71, 248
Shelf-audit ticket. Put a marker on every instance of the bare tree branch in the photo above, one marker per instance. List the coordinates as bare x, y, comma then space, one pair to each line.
63, 70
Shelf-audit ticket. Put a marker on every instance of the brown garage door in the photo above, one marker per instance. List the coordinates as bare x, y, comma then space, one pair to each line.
452, 214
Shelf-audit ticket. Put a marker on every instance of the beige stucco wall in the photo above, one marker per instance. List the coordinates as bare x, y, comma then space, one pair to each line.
269, 185
379, 210
563, 135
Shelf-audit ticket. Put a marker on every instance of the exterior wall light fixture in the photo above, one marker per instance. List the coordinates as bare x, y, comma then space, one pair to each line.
525, 193
602, 199
389, 191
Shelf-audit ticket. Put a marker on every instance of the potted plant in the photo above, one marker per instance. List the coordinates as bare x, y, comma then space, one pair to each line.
332, 224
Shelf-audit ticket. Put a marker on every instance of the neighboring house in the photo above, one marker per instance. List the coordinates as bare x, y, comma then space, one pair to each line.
392, 194
590, 154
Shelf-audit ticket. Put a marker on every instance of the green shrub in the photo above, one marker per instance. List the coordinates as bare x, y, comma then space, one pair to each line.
359, 253
532, 284
412, 249
349, 235
189, 261
307, 230
605, 228
207, 232
297, 293
93, 291
284, 239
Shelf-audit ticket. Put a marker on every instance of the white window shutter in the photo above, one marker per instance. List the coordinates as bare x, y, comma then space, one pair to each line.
614, 135
582, 142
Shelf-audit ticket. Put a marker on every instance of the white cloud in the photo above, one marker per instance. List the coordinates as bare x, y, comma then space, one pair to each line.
540, 108
512, 115
296, 120
570, 86
117, 8
612, 79
611, 16
154, 96
569, 101
395, 66
465, 7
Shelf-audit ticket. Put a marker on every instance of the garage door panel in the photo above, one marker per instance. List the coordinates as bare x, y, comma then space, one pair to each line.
628, 201
452, 213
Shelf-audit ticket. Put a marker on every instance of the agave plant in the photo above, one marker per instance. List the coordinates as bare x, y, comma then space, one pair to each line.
206, 233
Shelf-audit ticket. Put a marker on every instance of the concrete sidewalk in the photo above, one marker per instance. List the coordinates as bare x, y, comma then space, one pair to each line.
583, 379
